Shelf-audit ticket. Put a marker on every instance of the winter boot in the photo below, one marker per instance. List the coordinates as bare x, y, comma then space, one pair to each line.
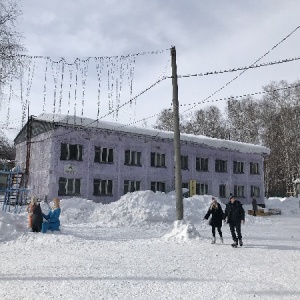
213, 240
235, 244
241, 242
221, 239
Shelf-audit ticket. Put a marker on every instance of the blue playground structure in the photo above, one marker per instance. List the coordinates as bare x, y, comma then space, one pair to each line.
12, 191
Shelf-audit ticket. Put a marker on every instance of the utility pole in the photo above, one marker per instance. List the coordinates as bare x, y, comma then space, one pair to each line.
178, 178
28, 148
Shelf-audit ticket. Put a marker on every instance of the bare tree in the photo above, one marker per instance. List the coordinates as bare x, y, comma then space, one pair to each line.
7, 149
281, 133
244, 120
165, 120
10, 41
208, 122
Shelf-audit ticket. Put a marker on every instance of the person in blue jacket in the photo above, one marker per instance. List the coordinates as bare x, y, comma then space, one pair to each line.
52, 219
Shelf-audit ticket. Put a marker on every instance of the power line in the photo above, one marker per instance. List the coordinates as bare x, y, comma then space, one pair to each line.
229, 82
239, 68
213, 100
80, 127
241, 96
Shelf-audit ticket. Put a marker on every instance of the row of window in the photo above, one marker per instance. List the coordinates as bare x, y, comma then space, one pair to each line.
158, 160
71, 187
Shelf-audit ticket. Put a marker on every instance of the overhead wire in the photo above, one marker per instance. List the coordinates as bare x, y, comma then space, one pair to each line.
238, 69
214, 100
78, 127
207, 98
241, 73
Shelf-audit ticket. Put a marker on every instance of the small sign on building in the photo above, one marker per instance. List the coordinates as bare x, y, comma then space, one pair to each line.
192, 187
70, 169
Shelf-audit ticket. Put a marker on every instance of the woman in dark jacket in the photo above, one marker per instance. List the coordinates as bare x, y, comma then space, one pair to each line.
217, 215
35, 215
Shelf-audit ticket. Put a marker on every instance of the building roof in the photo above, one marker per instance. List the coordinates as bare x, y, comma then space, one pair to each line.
199, 139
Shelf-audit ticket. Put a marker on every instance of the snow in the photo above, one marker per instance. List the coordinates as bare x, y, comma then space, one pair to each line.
200, 139
135, 249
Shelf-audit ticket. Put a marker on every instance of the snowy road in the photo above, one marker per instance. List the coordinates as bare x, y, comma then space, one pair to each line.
90, 262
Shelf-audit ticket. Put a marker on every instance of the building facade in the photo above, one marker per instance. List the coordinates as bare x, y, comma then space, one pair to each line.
101, 161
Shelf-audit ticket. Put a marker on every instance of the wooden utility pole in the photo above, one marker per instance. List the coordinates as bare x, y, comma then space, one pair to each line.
28, 148
178, 178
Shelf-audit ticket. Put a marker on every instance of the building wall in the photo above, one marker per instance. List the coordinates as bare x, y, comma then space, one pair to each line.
39, 163
46, 167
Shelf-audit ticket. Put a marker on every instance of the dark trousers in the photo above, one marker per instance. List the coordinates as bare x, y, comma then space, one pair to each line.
235, 229
213, 230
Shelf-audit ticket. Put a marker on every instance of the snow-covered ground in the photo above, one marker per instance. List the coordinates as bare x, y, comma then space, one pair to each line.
133, 249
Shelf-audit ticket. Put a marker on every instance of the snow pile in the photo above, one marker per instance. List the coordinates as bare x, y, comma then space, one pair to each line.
288, 206
139, 209
182, 231
12, 225
77, 210
134, 209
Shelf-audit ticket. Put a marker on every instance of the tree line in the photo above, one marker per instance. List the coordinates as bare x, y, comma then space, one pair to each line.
272, 121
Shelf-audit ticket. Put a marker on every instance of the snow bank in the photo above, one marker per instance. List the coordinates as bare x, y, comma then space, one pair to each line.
139, 209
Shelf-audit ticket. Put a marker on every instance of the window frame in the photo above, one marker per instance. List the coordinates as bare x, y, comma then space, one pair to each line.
104, 155
222, 190
255, 191
238, 167
184, 159
254, 168
158, 186
72, 186
71, 152
220, 166
239, 191
130, 186
102, 187
201, 164
133, 158
158, 160
202, 188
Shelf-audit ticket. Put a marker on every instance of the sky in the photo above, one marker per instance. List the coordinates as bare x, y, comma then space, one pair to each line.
209, 36
134, 249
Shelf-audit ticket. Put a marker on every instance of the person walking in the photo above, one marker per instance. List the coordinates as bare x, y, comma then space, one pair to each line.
234, 216
217, 215
254, 206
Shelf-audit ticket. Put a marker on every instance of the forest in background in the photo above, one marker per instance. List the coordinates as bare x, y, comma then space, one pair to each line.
272, 121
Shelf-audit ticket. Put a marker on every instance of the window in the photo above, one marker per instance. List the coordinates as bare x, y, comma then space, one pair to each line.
201, 164
239, 191
254, 168
158, 186
184, 162
102, 187
132, 158
202, 189
68, 186
104, 155
185, 185
131, 186
157, 160
222, 191
238, 167
70, 152
255, 192
221, 165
